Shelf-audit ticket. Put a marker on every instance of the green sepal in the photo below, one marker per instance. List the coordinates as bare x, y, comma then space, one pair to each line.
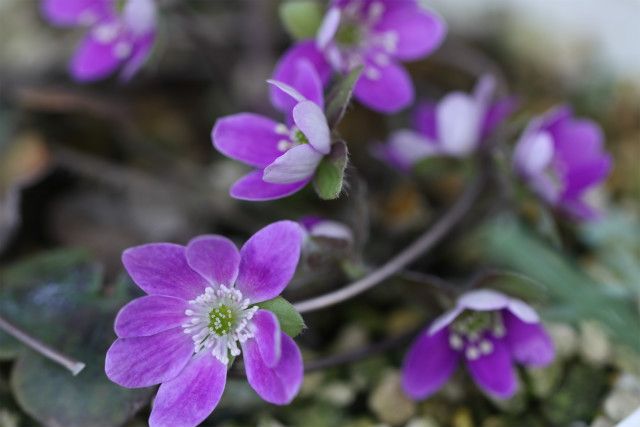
291, 322
301, 18
329, 178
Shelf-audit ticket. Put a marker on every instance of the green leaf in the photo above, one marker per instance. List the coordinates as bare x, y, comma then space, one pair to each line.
340, 96
301, 18
56, 297
508, 243
329, 178
291, 321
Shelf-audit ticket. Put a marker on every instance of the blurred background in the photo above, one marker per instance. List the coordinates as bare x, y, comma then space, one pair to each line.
89, 170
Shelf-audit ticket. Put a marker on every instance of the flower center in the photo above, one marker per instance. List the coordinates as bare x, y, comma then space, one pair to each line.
293, 137
349, 34
473, 332
218, 320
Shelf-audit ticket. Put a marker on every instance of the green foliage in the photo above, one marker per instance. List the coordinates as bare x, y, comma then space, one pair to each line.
301, 18
291, 321
340, 96
55, 297
575, 295
329, 179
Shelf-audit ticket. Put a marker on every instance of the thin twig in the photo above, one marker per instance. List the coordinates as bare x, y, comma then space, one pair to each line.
71, 364
425, 242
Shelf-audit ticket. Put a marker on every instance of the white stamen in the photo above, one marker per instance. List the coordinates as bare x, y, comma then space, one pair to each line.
229, 306
375, 12
122, 49
486, 347
106, 33
472, 353
372, 73
455, 341
282, 129
284, 145
382, 59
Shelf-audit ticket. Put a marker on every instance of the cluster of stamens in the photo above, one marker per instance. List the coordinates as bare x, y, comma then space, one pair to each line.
471, 332
107, 33
291, 137
354, 38
218, 320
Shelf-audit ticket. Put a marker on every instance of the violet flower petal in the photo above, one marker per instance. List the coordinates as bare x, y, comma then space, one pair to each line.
140, 16
141, 51
76, 12
267, 337
253, 188
305, 85
534, 154
497, 113
458, 118
529, 343
280, 384
162, 269
146, 361
150, 315
389, 91
189, 398
419, 32
249, 138
95, 59
310, 119
297, 164
445, 319
483, 300
215, 258
428, 364
424, 120
328, 28
269, 260
494, 372
286, 69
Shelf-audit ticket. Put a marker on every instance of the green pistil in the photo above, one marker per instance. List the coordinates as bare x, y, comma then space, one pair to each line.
349, 34
300, 137
221, 320
474, 322
120, 4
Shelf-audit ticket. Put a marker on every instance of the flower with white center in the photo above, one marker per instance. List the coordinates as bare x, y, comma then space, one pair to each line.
285, 156
201, 310
120, 37
456, 126
490, 332
561, 158
374, 34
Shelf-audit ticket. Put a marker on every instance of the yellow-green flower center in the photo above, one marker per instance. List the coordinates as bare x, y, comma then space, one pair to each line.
300, 137
349, 34
221, 320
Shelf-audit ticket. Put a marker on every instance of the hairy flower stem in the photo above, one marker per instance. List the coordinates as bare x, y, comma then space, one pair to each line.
424, 243
72, 365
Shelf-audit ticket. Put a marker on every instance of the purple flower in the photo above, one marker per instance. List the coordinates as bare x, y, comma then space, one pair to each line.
377, 34
117, 37
561, 158
489, 331
455, 126
199, 311
318, 227
285, 155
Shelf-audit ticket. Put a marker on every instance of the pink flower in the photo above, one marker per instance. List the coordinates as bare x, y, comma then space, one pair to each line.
116, 39
199, 312
490, 332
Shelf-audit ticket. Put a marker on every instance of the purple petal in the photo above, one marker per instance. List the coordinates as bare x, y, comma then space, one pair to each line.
523, 311
162, 269
445, 319
578, 142
328, 28
279, 384
289, 90
428, 364
286, 70
331, 230
494, 372
149, 315
424, 120
311, 120
385, 89
249, 138
497, 114
269, 260
297, 164
141, 51
533, 154
419, 32
252, 187
188, 399
483, 300
215, 258
146, 361
76, 12
579, 210
529, 343
94, 59
267, 337
140, 16
406, 148
584, 176
458, 118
